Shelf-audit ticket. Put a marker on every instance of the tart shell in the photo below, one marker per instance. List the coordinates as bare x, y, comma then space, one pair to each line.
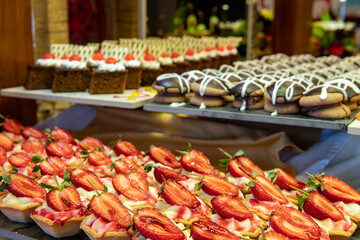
18, 213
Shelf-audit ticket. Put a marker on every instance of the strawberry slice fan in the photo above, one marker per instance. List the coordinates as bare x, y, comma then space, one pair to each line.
67, 185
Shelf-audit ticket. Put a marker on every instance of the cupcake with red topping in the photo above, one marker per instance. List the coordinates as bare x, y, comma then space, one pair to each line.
213, 56
40, 76
95, 61
166, 63
72, 76
193, 59
134, 71
110, 77
205, 59
151, 69
179, 61
223, 55
234, 54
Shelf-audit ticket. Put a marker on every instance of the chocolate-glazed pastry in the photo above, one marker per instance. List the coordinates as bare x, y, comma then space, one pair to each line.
284, 91
246, 73
171, 88
328, 60
227, 68
232, 77
212, 72
249, 94
313, 77
192, 75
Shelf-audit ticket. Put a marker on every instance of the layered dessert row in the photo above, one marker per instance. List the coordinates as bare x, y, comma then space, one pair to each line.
324, 87
116, 191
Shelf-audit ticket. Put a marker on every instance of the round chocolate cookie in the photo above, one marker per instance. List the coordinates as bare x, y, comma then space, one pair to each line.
206, 101
282, 108
284, 91
169, 98
211, 86
192, 75
321, 95
250, 103
339, 111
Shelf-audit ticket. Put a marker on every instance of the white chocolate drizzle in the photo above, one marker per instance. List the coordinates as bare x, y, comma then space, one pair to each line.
225, 84
180, 79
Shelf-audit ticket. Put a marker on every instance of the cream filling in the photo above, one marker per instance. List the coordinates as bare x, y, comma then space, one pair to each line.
236, 226
353, 209
12, 199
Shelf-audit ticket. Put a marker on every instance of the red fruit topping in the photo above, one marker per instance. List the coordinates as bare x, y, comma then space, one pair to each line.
317, 206
32, 132
337, 190
20, 160
13, 126
48, 56
175, 55
129, 57
176, 194
82, 177
196, 161
133, 186
60, 149
229, 47
164, 156
294, 224
126, 165
22, 186
111, 61
3, 157
75, 58
285, 180
239, 165
31, 146
163, 55
99, 159
126, 148
230, 207
220, 48
214, 186
62, 135
205, 229
98, 56
161, 173
274, 236
208, 49
265, 190
91, 143
63, 200
189, 52
6, 142
108, 207
54, 164
153, 225
64, 57
146, 52
149, 58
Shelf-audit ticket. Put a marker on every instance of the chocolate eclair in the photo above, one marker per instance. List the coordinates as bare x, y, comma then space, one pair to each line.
171, 88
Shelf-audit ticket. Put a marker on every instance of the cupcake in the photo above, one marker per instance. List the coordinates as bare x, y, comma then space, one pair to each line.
213, 56
40, 76
166, 63
179, 61
134, 71
95, 61
234, 55
72, 76
193, 59
110, 77
205, 59
224, 56
151, 69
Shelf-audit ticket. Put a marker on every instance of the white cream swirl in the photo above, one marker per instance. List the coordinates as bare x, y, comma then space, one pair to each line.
165, 61
151, 64
46, 62
131, 63
95, 63
118, 67
194, 57
73, 65
179, 59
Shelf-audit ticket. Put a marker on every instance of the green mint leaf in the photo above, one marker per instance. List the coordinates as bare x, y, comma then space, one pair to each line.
105, 189
112, 144
198, 186
47, 130
88, 206
178, 158
224, 162
160, 190
6, 179
146, 154
274, 179
183, 152
186, 228
36, 159
255, 173
36, 168
112, 166
3, 186
239, 153
14, 170
44, 185
148, 167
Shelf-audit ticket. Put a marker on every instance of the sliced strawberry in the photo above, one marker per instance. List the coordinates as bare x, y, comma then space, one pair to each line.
31, 146
294, 224
126, 165
22, 186
337, 190
62, 135
54, 164
12, 126
265, 190
139, 180
231, 207
161, 173
108, 207
63, 200
205, 229
214, 186
60, 149
153, 225
91, 143
126, 148
129, 187
285, 180
99, 159
164, 156
20, 160
196, 161
176, 194
32, 132
3, 158
274, 236
317, 206
243, 164
6, 142
82, 177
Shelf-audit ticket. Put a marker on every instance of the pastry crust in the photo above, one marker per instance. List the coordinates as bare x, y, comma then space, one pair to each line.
68, 228
340, 235
18, 213
94, 235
